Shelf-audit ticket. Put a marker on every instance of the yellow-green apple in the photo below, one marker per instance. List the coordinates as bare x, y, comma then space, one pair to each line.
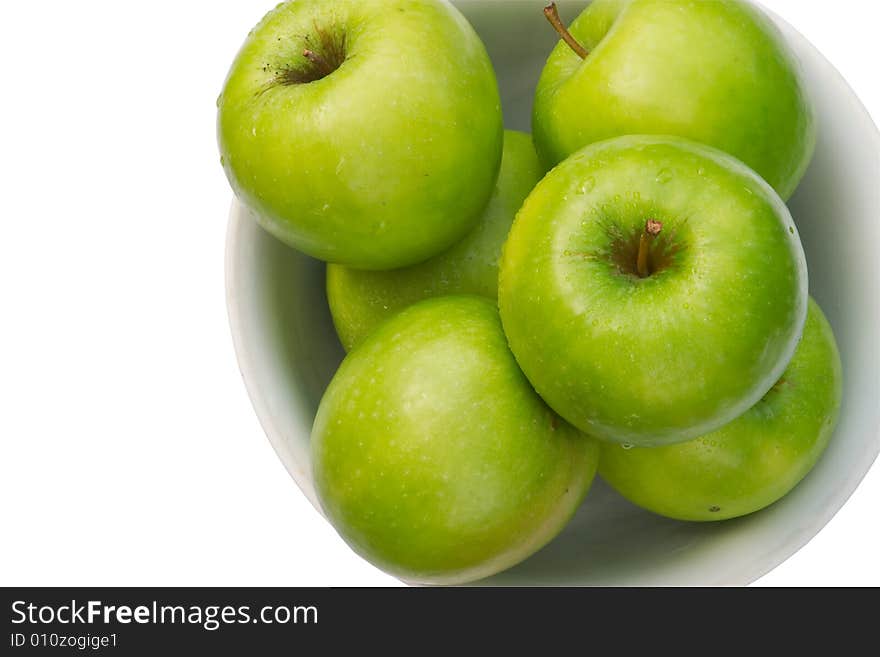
750, 462
360, 300
364, 132
652, 289
714, 71
434, 458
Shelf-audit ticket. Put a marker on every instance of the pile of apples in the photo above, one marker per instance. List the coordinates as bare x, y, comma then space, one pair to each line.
623, 291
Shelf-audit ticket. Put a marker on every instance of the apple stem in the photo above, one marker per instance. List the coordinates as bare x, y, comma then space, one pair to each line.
652, 229
318, 61
552, 14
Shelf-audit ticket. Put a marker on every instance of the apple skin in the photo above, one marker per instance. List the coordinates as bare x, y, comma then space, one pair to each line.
386, 161
432, 455
716, 72
360, 300
679, 353
751, 462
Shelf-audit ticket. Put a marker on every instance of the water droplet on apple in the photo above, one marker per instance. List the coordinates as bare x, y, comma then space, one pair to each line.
663, 176
701, 171
626, 446
587, 186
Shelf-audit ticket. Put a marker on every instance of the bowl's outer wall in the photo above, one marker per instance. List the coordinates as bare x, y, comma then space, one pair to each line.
288, 350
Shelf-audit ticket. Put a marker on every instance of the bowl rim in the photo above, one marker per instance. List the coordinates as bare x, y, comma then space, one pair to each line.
245, 359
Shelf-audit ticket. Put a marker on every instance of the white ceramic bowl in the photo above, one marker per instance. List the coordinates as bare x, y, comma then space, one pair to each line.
287, 349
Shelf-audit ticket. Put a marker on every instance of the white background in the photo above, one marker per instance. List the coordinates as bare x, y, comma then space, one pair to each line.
130, 454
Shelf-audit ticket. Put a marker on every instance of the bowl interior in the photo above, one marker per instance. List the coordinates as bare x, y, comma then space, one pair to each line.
288, 350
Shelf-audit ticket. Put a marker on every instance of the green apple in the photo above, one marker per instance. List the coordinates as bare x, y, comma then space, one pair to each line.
751, 462
652, 289
716, 71
434, 458
360, 300
364, 132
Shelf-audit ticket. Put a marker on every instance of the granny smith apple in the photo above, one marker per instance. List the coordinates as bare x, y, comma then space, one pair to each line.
751, 462
652, 289
360, 300
364, 132
434, 458
717, 71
